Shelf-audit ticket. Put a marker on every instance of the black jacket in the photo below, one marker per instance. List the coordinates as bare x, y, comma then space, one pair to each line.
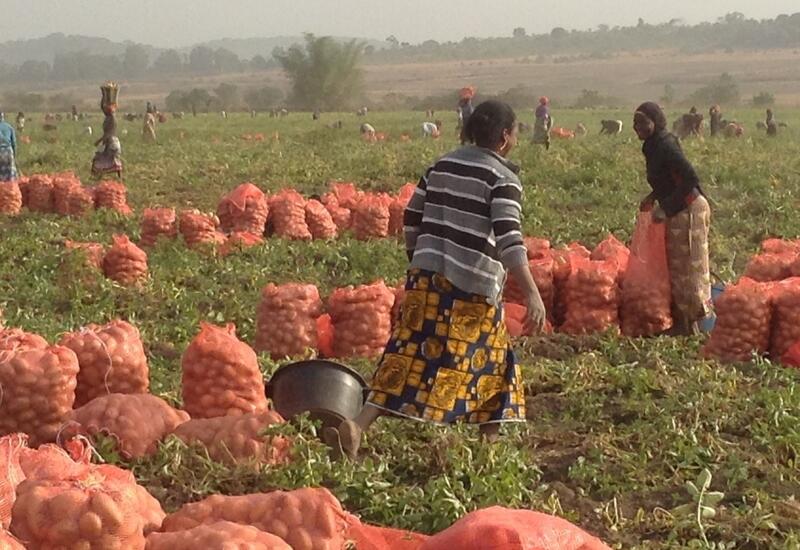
669, 173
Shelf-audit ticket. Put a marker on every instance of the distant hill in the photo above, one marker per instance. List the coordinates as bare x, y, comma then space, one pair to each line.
246, 48
45, 49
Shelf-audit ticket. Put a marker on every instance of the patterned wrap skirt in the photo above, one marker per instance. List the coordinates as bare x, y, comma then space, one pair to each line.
8, 167
449, 358
687, 254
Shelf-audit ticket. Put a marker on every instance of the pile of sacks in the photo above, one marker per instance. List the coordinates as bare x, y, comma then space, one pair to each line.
123, 261
608, 288
63, 194
760, 314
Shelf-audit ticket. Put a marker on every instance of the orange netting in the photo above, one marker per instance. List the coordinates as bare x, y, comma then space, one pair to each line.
319, 221
15, 339
199, 229
244, 210
39, 194
158, 223
286, 319
371, 217
591, 297
362, 319
125, 262
217, 536
10, 198
288, 215
112, 195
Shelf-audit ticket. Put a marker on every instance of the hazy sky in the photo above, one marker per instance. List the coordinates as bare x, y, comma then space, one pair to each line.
184, 22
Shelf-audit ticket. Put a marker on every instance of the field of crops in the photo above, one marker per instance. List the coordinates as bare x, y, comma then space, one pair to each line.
616, 426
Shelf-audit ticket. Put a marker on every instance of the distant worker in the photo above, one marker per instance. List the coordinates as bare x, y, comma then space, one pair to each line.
772, 126
149, 128
690, 124
315, 115
108, 157
677, 200
20, 122
464, 109
543, 123
715, 120
149, 109
74, 113
8, 150
367, 131
610, 127
580, 130
432, 129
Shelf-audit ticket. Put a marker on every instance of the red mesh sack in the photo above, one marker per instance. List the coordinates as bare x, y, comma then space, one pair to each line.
92, 253
158, 223
11, 474
222, 535
319, 221
612, 250
325, 335
94, 511
221, 375
288, 215
537, 248
792, 356
306, 519
125, 262
362, 319
136, 422
237, 242
371, 537
233, 439
780, 246
9, 541
744, 316
111, 359
14, 339
562, 267
345, 193
340, 215
38, 391
70, 198
494, 528
786, 317
39, 191
371, 217
112, 195
397, 208
286, 322
646, 289
10, 198
770, 267
592, 297
199, 229
244, 210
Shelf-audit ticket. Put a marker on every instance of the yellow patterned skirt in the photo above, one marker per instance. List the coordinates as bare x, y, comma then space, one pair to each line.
687, 255
449, 358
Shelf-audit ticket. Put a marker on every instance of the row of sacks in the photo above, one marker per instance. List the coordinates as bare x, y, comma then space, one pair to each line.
610, 287
123, 261
759, 315
55, 499
62, 194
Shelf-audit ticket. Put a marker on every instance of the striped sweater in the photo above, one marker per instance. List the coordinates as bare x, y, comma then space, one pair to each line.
463, 221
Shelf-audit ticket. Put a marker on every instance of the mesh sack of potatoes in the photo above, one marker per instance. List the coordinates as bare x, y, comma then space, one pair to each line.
70, 198
537, 248
221, 535
158, 223
112, 195
371, 217
542, 272
90, 255
612, 250
319, 221
101, 509
562, 267
340, 215
11, 474
199, 229
286, 321
232, 439
15, 339
592, 297
345, 193
306, 519
288, 216
10, 198
244, 210
397, 208
362, 319
125, 262
39, 191
785, 317
239, 241
111, 358
768, 267
38, 391
221, 375
744, 318
780, 246
9, 541
137, 422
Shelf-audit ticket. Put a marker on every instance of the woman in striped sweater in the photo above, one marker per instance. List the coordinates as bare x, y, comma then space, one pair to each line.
449, 358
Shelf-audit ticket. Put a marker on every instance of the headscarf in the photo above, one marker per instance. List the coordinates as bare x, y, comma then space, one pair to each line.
653, 112
544, 100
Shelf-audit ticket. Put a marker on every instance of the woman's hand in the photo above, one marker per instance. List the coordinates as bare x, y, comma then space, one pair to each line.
536, 315
647, 204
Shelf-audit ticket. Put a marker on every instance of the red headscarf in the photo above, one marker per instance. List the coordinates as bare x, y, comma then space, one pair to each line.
543, 100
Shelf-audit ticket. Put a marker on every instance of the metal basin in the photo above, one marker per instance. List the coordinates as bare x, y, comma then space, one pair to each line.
330, 392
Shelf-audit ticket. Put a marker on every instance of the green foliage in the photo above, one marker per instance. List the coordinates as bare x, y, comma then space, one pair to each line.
763, 99
723, 91
325, 73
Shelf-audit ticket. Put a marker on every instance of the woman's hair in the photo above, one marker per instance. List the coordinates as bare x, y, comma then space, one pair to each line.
653, 112
485, 126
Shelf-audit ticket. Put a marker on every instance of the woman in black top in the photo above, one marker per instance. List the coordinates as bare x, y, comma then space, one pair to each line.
678, 201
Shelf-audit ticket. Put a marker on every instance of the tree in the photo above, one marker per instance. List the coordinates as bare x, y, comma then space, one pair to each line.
168, 62
669, 95
177, 100
559, 33
225, 61
198, 99
135, 61
723, 90
324, 73
763, 99
259, 63
21, 101
201, 59
263, 99
392, 41
34, 71
227, 95
519, 32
